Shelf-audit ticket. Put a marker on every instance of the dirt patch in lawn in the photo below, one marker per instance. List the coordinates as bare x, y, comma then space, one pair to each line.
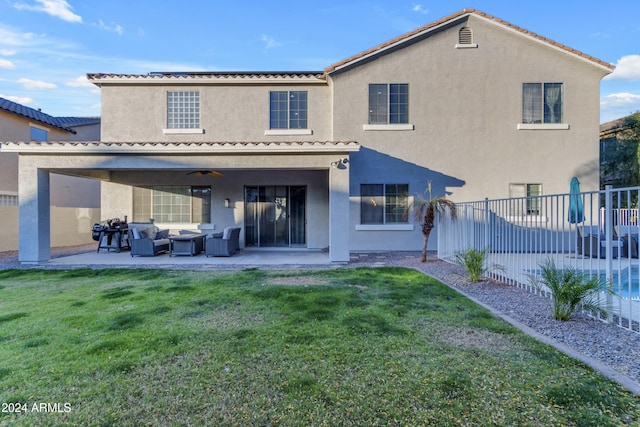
298, 281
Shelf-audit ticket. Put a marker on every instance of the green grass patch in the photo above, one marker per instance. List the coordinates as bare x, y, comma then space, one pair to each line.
383, 346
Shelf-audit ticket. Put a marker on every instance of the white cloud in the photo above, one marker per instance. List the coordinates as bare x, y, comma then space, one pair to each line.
616, 100
420, 9
58, 8
116, 28
35, 84
627, 68
12, 38
269, 42
6, 64
618, 105
80, 81
19, 99
7, 52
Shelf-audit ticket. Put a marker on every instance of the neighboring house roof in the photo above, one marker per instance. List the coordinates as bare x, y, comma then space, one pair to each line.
182, 147
619, 128
463, 14
78, 121
64, 123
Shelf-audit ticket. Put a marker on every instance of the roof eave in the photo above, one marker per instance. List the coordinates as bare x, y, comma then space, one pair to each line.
208, 79
160, 148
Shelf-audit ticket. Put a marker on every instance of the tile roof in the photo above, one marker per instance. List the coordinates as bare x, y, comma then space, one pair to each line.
78, 121
212, 75
64, 123
181, 147
458, 15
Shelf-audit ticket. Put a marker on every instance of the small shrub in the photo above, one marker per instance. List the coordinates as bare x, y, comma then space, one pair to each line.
569, 289
474, 261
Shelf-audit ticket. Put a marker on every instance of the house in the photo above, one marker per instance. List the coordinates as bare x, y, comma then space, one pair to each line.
75, 201
331, 159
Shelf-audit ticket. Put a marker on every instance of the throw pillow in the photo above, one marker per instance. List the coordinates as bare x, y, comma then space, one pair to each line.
162, 234
226, 233
136, 233
151, 232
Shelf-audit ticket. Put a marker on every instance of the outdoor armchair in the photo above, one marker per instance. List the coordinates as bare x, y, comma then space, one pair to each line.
226, 244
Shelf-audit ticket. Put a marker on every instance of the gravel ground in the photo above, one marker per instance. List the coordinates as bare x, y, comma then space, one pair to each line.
607, 344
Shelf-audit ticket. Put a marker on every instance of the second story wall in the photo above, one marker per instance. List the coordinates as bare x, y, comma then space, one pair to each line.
227, 111
465, 108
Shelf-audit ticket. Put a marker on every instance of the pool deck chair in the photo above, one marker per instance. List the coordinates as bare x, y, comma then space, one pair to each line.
592, 243
629, 236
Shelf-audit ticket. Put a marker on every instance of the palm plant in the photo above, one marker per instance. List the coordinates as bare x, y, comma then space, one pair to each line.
569, 289
426, 210
474, 261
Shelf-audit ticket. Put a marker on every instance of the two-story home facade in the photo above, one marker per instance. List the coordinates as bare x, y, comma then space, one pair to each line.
332, 159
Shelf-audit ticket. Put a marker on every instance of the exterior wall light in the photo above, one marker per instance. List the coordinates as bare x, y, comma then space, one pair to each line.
227, 203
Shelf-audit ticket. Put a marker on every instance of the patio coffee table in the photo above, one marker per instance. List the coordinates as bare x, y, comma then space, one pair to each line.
186, 244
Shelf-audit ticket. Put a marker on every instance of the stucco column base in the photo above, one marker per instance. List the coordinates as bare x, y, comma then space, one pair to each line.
34, 245
339, 213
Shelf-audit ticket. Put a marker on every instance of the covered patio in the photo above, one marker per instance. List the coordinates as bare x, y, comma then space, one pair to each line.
320, 169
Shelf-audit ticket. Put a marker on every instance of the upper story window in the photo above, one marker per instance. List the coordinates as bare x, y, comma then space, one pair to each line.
542, 103
38, 134
183, 110
384, 203
288, 110
388, 103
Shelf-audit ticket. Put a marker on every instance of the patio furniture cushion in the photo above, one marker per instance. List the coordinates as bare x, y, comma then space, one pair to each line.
226, 232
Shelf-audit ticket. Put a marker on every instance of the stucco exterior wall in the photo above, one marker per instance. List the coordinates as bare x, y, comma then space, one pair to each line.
466, 105
69, 226
227, 113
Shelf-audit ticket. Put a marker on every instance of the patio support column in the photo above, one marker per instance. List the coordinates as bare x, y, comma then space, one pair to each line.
34, 234
339, 213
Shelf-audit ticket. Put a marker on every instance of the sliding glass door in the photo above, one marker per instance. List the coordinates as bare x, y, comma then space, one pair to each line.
275, 216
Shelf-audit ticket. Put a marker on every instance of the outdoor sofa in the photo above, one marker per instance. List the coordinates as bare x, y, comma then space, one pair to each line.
226, 243
147, 240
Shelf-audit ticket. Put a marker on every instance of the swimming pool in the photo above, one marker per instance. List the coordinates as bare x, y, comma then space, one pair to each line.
621, 280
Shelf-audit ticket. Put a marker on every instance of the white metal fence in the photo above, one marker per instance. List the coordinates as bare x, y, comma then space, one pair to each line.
519, 234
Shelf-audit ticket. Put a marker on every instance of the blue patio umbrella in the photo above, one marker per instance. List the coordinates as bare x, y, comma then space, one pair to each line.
576, 210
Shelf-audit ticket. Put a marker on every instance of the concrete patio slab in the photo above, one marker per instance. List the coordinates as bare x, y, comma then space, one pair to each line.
247, 257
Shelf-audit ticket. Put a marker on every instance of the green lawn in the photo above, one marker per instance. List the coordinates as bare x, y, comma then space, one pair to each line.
359, 347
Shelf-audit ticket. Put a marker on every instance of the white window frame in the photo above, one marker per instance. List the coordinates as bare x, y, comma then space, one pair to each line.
387, 126
289, 130
179, 122
541, 124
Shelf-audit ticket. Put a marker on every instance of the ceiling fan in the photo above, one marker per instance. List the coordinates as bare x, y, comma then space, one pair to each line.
214, 174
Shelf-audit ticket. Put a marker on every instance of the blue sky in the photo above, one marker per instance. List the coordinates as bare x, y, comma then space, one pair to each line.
48, 46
